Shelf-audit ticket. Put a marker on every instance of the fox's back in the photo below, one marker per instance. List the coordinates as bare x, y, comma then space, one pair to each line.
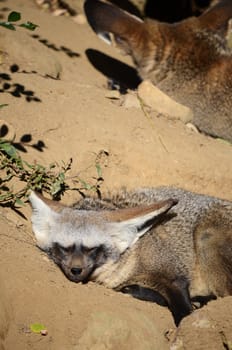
174, 234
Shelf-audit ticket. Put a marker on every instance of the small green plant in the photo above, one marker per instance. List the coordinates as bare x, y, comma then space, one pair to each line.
18, 177
37, 327
34, 176
14, 17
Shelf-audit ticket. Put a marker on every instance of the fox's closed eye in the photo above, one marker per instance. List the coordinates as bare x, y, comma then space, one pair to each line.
88, 250
65, 250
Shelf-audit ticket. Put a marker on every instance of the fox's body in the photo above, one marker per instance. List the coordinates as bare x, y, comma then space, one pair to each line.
189, 60
183, 254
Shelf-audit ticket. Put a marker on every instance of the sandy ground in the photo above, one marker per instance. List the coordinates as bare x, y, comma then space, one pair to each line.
75, 119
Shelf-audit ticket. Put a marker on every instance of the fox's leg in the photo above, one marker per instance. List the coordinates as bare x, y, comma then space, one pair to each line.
145, 294
178, 298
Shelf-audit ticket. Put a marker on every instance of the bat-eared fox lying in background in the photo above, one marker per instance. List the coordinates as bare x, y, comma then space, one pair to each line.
175, 243
190, 60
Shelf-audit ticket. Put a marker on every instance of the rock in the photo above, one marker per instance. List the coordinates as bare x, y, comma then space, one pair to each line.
60, 12
79, 19
206, 328
131, 101
109, 330
192, 127
113, 94
162, 103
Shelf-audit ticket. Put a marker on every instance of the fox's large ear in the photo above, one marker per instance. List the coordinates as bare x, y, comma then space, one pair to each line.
106, 18
128, 225
45, 212
217, 17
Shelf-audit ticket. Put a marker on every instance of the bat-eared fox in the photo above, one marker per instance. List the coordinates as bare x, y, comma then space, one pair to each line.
171, 242
190, 60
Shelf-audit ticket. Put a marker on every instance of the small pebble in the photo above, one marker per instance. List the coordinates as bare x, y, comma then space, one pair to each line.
131, 101
44, 332
113, 94
79, 19
192, 127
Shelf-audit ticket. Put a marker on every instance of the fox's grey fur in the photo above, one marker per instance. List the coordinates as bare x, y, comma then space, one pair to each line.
189, 60
133, 239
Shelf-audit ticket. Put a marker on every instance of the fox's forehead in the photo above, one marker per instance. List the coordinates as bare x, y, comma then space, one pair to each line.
80, 217
79, 228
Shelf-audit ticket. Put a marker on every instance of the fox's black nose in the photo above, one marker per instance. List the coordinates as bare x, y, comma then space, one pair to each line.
76, 270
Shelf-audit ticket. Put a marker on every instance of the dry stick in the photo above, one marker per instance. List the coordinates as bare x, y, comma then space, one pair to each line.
147, 115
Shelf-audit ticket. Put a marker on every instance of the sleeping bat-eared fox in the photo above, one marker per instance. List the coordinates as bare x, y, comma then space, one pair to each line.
174, 243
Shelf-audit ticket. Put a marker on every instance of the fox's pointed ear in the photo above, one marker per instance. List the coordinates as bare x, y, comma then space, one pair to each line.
106, 19
128, 225
217, 17
45, 212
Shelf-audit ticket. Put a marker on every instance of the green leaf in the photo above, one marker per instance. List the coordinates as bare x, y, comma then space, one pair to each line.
99, 170
37, 327
55, 188
19, 202
28, 165
3, 105
4, 197
61, 177
8, 148
14, 16
85, 184
29, 25
7, 25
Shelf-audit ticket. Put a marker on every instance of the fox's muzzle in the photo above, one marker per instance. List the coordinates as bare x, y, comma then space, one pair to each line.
77, 263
